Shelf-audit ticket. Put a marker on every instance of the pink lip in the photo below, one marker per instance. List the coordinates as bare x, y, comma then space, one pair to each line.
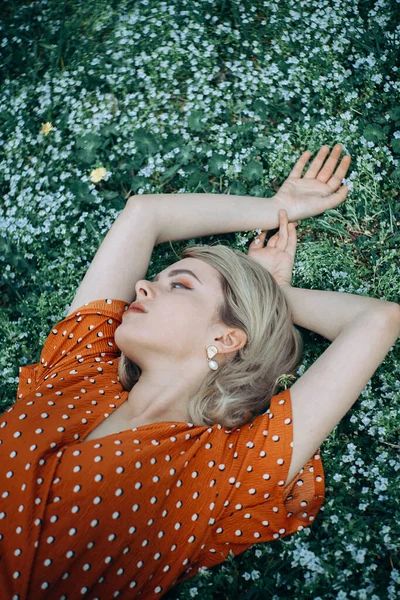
138, 307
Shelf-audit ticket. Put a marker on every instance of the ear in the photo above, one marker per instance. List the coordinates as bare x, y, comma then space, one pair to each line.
230, 341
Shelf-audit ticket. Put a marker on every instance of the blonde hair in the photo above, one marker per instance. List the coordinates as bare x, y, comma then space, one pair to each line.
253, 302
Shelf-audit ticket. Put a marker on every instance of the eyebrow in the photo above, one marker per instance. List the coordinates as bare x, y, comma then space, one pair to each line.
178, 272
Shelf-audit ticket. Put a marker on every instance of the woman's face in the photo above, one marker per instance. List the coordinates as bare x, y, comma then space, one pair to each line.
180, 306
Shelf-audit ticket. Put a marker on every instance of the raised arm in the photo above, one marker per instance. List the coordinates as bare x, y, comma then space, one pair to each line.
122, 259
362, 331
151, 219
124, 255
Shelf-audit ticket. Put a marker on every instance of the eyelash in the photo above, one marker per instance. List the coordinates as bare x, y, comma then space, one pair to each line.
179, 283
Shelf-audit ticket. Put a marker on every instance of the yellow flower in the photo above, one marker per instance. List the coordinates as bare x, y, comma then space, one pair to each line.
97, 175
46, 128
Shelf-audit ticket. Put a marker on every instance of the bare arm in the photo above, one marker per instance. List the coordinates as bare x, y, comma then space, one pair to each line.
152, 219
122, 259
327, 313
147, 220
186, 216
330, 387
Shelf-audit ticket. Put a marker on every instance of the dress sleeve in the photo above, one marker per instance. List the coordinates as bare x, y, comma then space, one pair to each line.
261, 507
86, 333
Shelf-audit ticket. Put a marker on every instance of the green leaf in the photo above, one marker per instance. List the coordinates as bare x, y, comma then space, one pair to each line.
374, 133
260, 108
253, 171
185, 155
146, 142
173, 141
86, 156
79, 188
237, 188
109, 194
170, 172
258, 191
81, 192
215, 164
395, 114
138, 182
395, 174
109, 130
89, 142
194, 120
190, 168
261, 142
395, 143
198, 180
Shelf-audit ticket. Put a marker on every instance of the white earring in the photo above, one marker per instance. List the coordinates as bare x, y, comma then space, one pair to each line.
211, 352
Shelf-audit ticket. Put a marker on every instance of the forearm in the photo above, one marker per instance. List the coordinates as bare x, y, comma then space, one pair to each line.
186, 216
327, 313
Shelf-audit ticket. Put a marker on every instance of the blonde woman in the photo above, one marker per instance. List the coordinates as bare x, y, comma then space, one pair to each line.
147, 443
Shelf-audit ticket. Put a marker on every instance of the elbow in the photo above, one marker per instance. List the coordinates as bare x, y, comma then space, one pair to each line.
392, 311
395, 314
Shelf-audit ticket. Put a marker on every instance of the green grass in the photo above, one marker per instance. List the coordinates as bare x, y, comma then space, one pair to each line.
220, 97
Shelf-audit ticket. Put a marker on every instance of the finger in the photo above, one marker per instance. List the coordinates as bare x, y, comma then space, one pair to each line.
335, 199
330, 165
272, 240
300, 164
283, 230
317, 163
340, 173
292, 240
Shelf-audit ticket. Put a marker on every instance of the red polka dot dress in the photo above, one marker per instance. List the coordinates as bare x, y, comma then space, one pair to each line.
133, 513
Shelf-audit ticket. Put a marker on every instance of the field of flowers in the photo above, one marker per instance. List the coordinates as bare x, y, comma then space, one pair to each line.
104, 99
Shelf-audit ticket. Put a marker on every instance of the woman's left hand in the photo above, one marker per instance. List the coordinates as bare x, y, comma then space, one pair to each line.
278, 255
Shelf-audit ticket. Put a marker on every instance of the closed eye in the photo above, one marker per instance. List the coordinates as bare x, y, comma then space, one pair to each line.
178, 283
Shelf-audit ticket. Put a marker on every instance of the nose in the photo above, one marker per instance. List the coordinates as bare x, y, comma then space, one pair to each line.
144, 287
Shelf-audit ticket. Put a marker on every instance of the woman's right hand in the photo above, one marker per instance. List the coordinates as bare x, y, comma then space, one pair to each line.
311, 194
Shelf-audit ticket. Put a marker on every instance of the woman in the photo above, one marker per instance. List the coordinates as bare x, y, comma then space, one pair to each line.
148, 443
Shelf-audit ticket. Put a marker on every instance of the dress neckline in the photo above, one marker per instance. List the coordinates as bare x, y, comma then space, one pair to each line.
155, 424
